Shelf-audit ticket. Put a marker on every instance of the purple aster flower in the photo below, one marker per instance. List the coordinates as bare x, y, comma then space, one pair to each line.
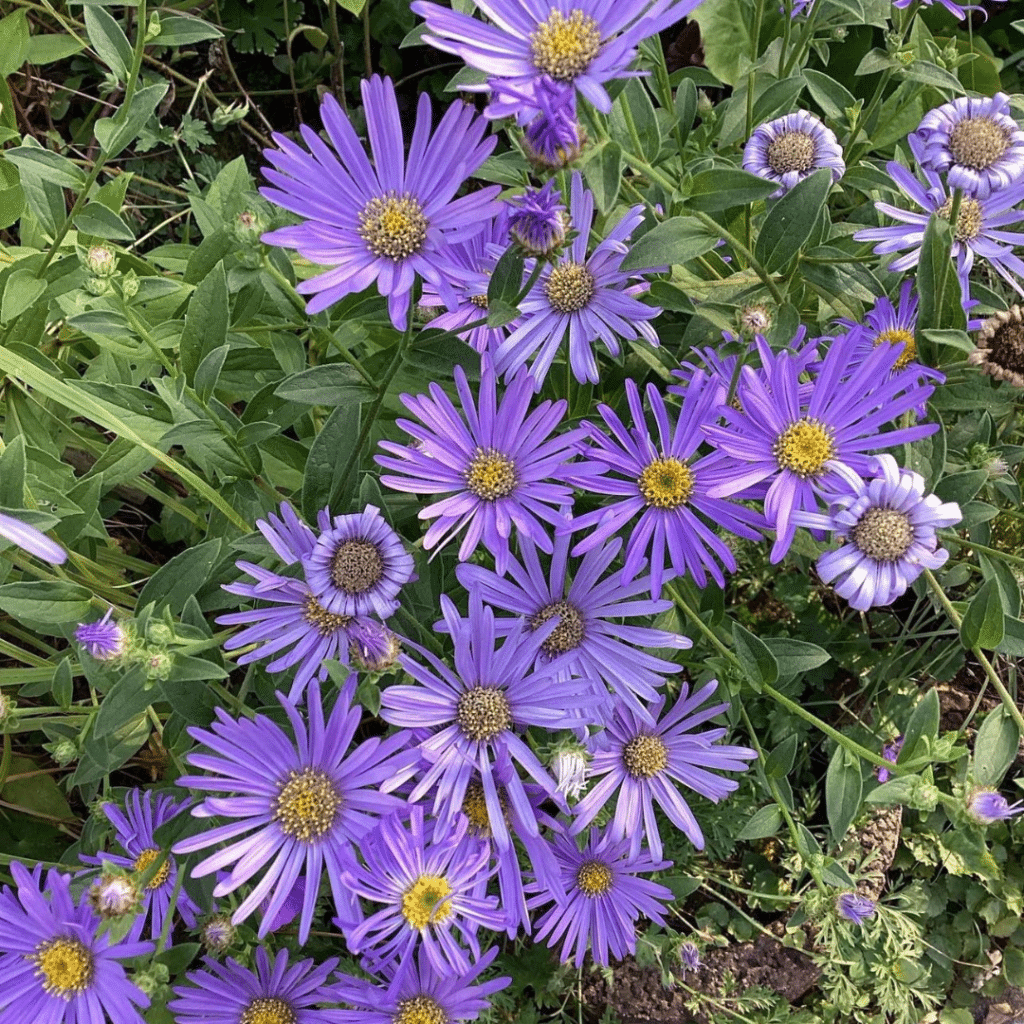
579, 43
976, 142
854, 907
29, 539
643, 762
588, 605
799, 7
499, 458
588, 297
303, 801
958, 10
431, 884
792, 148
539, 220
891, 753
418, 993
144, 812
599, 898
277, 992
358, 565
476, 713
554, 138
988, 805
887, 525
56, 967
104, 640
384, 221
979, 230
794, 436
295, 628
665, 489
469, 267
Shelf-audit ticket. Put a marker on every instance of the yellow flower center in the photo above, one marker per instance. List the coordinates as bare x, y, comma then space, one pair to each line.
483, 712
898, 336
791, 151
426, 901
306, 805
146, 860
326, 623
593, 878
393, 226
66, 966
666, 483
883, 534
563, 47
357, 566
266, 1010
567, 635
804, 447
968, 218
480, 301
644, 756
569, 287
978, 142
491, 475
420, 1010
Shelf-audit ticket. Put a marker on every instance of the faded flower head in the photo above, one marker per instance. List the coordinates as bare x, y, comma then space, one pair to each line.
855, 908
999, 346
571, 766
113, 895
689, 954
218, 933
755, 319
986, 806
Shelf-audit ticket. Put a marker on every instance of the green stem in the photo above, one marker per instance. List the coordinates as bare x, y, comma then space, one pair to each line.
993, 677
743, 251
952, 538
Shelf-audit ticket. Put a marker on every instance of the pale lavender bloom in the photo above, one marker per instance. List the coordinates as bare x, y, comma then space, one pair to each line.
976, 142
854, 907
979, 231
585, 297
989, 805
29, 539
386, 221
887, 525
792, 148
580, 43
689, 954
643, 763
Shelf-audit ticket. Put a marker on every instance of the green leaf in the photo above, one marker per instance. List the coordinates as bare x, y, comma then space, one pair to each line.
923, 725
96, 219
895, 791
844, 787
833, 98
927, 73
1013, 966
21, 291
109, 41
725, 30
46, 165
328, 384
1009, 588
506, 280
685, 106
322, 485
763, 823
45, 602
14, 40
995, 747
51, 47
758, 663
206, 321
937, 284
603, 172
115, 134
671, 242
178, 579
961, 487
37, 793
640, 108
795, 657
208, 372
779, 763
790, 221
982, 626
182, 29
726, 187
123, 702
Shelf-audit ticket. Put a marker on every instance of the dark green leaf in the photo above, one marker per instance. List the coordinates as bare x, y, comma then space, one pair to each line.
506, 279
116, 133
937, 284
758, 663
685, 106
995, 747
983, 624
790, 221
329, 384
795, 656
961, 487
181, 29
206, 322
109, 41
96, 219
844, 786
762, 824
673, 241
181, 577
603, 172
779, 763
322, 485
923, 725
726, 187
833, 98
45, 602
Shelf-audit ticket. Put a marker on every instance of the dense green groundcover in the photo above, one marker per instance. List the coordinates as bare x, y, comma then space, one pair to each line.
164, 388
